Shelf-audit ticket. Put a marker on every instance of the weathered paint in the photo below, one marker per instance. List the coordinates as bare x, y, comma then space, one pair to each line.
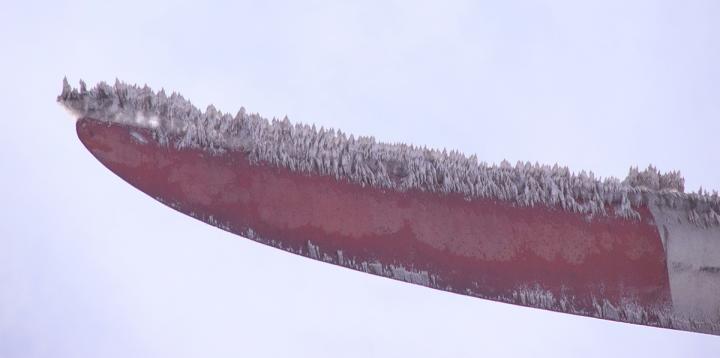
601, 266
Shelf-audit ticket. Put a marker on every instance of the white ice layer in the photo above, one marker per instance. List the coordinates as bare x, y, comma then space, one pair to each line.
304, 148
693, 264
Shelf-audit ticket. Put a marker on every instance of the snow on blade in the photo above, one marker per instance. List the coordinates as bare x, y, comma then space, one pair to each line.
637, 251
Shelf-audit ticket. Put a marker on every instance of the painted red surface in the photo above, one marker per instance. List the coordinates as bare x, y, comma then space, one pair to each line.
480, 247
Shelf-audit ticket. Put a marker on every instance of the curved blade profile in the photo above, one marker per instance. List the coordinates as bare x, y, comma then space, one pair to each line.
638, 251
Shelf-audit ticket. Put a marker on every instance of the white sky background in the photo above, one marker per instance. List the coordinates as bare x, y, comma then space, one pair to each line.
90, 267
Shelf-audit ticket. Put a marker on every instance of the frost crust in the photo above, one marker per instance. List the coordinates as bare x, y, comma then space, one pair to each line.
175, 122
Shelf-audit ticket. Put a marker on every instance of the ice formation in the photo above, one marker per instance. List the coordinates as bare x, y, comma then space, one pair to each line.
304, 148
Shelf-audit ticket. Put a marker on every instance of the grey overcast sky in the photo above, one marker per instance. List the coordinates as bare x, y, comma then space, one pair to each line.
90, 267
